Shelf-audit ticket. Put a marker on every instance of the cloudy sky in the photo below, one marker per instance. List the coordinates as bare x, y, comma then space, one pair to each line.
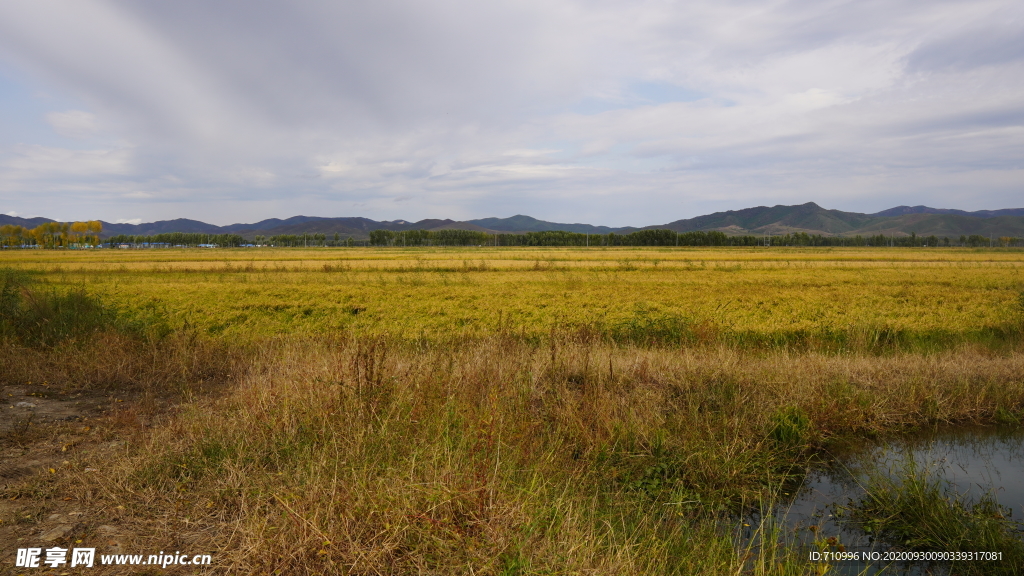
610, 112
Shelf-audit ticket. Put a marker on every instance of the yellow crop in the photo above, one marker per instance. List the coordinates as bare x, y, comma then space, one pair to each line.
763, 293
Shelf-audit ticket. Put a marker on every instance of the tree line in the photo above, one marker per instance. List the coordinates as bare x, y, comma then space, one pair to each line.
547, 238
52, 235
87, 234
306, 240
668, 238
192, 239
175, 239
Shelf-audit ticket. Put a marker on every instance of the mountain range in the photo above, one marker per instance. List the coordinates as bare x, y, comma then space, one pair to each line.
808, 218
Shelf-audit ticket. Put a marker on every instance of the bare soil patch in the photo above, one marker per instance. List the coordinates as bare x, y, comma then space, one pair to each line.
48, 435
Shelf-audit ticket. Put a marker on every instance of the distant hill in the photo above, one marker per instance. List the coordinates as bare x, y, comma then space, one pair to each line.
901, 221
520, 223
808, 218
6, 220
272, 223
951, 225
160, 227
358, 228
111, 229
904, 210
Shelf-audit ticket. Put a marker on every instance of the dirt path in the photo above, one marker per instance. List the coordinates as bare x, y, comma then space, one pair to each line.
45, 431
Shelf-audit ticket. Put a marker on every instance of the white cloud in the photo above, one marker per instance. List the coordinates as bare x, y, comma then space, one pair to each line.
34, 162
74, 124
128, 221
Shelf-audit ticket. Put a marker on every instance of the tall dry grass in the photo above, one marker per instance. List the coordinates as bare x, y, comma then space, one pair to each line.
178, 365
370, 456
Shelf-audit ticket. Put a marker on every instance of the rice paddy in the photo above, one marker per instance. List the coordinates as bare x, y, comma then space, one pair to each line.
761, 295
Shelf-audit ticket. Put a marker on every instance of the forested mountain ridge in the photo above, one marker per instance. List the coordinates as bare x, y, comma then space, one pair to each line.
6, 220
902, 210
806, 218
813, 219
521, 223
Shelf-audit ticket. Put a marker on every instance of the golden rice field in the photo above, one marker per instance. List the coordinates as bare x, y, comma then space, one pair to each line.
758, 294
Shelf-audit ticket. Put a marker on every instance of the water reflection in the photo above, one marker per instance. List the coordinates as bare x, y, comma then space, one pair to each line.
971, 462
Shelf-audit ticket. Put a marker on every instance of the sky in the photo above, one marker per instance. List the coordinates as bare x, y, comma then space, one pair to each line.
618, 113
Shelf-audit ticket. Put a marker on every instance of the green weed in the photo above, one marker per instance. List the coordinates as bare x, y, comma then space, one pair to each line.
912, 508
790, 427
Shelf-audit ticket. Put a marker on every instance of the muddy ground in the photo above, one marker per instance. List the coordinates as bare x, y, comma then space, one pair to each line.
47, 433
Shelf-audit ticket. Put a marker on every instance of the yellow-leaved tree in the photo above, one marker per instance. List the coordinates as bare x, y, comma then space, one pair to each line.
58, 234
78, 232
95, 228
12, 235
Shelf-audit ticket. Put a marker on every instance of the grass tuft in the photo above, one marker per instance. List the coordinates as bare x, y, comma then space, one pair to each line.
790, 427
912, 508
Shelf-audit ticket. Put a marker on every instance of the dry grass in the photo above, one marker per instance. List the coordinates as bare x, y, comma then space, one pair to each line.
180, 365
495, 457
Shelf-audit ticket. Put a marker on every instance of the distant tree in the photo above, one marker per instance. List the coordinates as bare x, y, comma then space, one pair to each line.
79, 232
13, 235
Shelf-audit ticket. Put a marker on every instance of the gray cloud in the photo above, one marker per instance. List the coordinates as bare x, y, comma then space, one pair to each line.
620, 112
993, 44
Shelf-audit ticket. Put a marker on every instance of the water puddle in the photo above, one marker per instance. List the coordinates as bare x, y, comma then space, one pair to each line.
970, 462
